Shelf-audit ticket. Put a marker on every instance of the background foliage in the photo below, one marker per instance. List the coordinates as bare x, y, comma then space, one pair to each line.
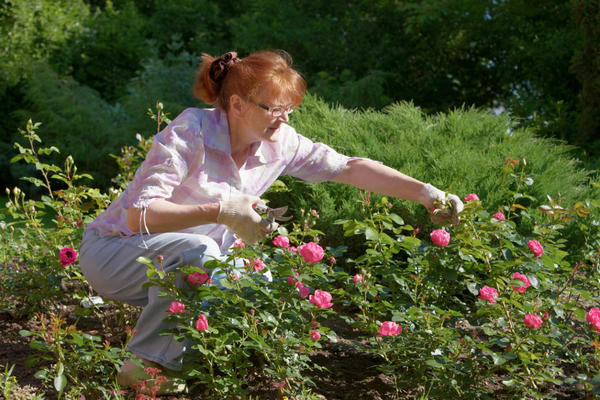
101, 62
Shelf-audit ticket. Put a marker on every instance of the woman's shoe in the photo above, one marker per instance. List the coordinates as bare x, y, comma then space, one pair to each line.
149, 379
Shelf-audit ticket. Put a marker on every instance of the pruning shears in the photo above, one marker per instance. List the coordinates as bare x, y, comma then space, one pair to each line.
273, 214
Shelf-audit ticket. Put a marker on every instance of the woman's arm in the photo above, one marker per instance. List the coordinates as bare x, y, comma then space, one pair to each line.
375, 177
164, 216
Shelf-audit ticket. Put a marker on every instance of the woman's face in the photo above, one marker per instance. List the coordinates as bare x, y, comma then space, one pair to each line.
260, 124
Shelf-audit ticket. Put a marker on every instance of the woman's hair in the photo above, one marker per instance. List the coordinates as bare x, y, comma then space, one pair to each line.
270, 71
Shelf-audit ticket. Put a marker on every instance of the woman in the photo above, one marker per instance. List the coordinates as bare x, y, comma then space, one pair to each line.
195, 191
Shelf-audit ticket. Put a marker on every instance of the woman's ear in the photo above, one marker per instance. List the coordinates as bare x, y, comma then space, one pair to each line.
236, 105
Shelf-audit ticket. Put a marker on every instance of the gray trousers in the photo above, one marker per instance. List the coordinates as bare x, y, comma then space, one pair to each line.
109, 264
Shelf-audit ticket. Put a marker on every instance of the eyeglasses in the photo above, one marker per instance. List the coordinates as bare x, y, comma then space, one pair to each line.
275, 112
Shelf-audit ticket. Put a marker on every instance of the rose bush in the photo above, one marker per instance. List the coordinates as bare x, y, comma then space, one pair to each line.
439, 318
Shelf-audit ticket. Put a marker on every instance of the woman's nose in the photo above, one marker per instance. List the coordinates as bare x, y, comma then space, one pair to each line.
285, 116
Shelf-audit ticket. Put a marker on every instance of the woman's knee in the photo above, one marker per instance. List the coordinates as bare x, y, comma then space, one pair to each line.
197, 250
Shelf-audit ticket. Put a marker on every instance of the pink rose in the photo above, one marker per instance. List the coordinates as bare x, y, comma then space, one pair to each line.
532, 321
67, 256
304, 292
293, 249
472, 197
314, 212
331, 260
488, 293
499, 216
311, 252
238, 243
315, 335
440, 237
321, 299
202, 323
593, 317
357, 278
198, 278
234, 277
177, 308
281, 241
258, 264
526, 284
389, 328
536, 248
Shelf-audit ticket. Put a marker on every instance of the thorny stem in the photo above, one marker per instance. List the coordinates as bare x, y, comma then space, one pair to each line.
383, 349
210, 361
508, 317
486, 258
570, 278
32, 147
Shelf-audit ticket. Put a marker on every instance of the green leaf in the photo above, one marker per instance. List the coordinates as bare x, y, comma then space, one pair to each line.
533, 280
508, 255
473, 288
370, 234
559, 311
60, 368
580, 314
525, 357
397, 219
433, 363
48, 150
498, 360
60, 381
146, 261
42, 374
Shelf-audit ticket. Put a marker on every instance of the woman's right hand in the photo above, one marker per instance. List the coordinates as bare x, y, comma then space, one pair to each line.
241, 218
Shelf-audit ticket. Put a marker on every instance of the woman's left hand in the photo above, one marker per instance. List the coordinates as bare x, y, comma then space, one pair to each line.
444, 207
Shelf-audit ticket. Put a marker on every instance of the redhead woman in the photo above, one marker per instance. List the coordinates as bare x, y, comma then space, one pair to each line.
194, 193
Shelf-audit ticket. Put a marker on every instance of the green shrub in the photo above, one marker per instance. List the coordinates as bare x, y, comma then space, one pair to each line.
31, 30
168, 80
76, 120
108, 53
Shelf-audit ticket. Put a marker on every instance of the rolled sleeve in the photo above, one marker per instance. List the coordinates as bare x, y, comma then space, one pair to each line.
166, 164
315, 162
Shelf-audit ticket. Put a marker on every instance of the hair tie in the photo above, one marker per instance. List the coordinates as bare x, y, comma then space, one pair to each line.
220, 66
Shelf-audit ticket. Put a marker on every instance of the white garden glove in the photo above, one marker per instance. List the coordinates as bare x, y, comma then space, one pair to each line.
442, 206
241, 218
